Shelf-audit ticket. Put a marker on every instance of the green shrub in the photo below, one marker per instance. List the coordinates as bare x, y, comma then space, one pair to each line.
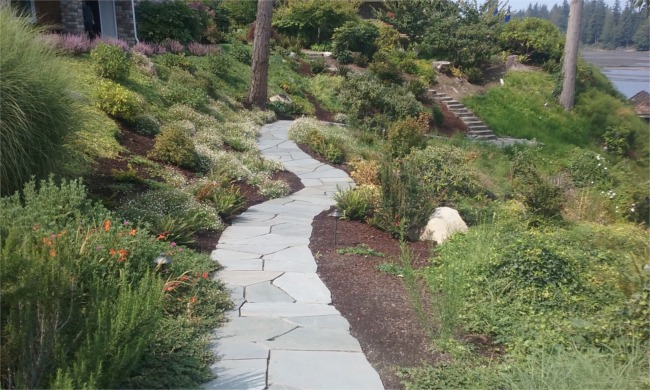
318, 65
175, 20
619, 140
356, 37
437, 116
359, 203
388, 38
536, 40
219, 64
588, 169
359, 59
344, 57
537, 193
171, 60
174, 145
474, 75
110, 61
37, 114
313, 21
326, 148
183, 88
117, 101
146, 124
407, 134
224, 196
416, 87
386, 71
241, 53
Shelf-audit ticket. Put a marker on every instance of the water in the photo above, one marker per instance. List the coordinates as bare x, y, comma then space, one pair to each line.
629, 71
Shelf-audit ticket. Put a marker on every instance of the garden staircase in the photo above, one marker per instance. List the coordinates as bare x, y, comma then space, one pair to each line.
477, 129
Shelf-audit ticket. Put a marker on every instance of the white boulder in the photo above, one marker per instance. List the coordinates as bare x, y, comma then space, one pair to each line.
444, 222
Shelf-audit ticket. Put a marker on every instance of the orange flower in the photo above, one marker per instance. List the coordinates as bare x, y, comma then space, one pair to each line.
193, 299
205, 275
47, 241
162, 235
53, 252
132, 232
122, 253
112, 252
107, 225
183, 278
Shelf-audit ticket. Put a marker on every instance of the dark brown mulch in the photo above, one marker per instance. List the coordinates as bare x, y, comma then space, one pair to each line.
376, 304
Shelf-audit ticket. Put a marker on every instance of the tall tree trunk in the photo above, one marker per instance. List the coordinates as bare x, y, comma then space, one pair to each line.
257, 94
567, 97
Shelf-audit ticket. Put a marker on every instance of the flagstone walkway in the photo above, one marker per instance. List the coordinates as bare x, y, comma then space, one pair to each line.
284, 332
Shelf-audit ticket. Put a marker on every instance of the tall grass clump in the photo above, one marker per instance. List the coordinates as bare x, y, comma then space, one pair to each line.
38, 112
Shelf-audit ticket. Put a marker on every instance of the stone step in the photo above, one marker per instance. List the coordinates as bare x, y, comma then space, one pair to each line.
454, 105
477, 127
482, 137
463, 114
480, 132
469, 121
444, 98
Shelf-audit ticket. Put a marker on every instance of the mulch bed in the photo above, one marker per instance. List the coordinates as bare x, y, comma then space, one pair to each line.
376, 304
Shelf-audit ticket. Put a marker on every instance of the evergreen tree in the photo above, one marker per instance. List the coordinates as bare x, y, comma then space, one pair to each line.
608, 37
642, 36
627, 26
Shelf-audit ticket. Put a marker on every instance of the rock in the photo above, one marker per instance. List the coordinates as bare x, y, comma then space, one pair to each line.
444, 222
292, 55
281, 98
441, 66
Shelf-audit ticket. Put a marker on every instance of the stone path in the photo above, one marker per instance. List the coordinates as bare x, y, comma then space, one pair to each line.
284, 332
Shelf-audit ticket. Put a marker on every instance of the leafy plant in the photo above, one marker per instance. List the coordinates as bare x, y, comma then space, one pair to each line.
359, 203
241, 53
158, 21
110, 61
360, 250
117, 101
407, 134
356, 37
173, 145
536, 40
224, 196
219, 64
318, 65
146, 125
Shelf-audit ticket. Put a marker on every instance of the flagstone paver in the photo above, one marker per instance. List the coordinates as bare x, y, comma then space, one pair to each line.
284, 332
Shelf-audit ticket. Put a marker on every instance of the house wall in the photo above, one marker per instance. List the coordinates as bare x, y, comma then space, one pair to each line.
124, 17
72, 19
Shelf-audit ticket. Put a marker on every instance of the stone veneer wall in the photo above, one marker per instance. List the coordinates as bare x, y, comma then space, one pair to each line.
124, 17
72, 17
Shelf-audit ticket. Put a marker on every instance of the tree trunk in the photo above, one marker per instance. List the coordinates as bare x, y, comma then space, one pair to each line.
257, 94
567, 97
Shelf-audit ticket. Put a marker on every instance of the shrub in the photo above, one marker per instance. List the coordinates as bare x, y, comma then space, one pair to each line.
158, 21
146, 124
79, 291
313, 21
219, 64
183, 88
359, 59
588, 169
407, 134
416, 87
365, 172
147, 49
536, 40
359, 203
171, 60
110, 62
619, 140
170, 214
540, 196
37, 113
241, 53
117, 101
474, 75
173, 145
119, 43
344, 57
198, 49
318, 65
356, 36
437, 116
326, 148
223, 196
388, 38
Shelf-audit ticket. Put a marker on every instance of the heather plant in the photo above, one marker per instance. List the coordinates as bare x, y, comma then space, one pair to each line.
145, 48
110, 61
74, 44
38, 113
111, 42
199, 49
